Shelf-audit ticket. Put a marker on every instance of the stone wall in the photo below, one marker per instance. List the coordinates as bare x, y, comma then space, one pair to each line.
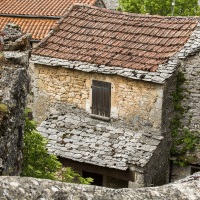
138, 102
191, 102
190, 119
29, 188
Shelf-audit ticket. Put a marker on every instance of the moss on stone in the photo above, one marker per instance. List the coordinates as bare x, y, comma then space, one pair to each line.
3, 108
184, 140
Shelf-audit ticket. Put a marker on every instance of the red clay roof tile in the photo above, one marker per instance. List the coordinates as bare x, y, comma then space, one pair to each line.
39, 28
100, 36
39, 7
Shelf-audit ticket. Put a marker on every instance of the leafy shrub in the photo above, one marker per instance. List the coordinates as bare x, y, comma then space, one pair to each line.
38, 163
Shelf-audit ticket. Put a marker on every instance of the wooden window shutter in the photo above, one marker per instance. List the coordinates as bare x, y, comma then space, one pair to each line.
101, 98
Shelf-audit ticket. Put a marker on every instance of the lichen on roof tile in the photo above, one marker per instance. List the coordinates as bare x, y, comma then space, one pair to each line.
119, 39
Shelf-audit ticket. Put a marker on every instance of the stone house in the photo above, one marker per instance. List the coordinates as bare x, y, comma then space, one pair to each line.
103, 87
37, 17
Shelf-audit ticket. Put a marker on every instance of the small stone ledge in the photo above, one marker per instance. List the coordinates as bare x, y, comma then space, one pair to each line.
193, 44
14, 54
163, 72
18, 188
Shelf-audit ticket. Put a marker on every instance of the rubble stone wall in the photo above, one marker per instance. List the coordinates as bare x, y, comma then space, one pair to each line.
190, 120
137, 101
191, 102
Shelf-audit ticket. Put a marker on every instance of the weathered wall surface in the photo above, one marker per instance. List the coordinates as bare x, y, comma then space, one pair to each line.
191, 102
13, 84
187, 115
138, 102
16, 188
13, 90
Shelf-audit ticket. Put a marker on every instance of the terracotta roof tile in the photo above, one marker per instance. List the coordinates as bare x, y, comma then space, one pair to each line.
39, 28
39, 7
118, 39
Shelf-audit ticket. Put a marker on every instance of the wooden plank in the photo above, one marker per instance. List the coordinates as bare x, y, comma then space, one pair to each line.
101, 98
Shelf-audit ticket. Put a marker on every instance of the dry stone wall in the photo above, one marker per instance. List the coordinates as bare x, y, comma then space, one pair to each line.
189, 58
191, 101
137, 101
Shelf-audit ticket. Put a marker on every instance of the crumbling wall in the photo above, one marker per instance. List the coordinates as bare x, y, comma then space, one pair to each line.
29, 188
13, 89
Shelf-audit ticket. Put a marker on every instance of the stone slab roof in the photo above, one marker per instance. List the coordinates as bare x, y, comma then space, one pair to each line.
75, 135
38, 7
38, 28
101, 36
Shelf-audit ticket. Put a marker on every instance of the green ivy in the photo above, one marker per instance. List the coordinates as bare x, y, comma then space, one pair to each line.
183, 139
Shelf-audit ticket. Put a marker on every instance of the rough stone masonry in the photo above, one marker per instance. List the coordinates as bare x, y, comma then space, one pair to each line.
13, 90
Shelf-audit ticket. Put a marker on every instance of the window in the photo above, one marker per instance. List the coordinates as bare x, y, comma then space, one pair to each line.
101, 98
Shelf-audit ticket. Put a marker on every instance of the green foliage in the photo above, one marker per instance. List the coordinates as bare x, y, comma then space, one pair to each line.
161, 7
186, 141
38, 163
183, 139
179, 110
68, 175
36, 160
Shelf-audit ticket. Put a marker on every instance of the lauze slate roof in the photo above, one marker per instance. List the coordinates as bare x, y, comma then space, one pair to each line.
100, 36
75, 135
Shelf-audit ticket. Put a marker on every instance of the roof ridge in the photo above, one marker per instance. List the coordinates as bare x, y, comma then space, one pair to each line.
30, 16
78, 5
98, 40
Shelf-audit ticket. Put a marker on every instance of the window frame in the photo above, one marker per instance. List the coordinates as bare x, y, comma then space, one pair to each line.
101, 100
